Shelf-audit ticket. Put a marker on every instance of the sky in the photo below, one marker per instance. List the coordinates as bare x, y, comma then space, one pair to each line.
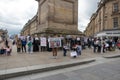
15, 13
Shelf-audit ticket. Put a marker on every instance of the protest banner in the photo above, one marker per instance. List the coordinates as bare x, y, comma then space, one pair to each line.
43, 41
54, 42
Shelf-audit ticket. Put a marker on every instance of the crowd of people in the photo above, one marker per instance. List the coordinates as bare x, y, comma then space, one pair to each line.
29, 44
103, 45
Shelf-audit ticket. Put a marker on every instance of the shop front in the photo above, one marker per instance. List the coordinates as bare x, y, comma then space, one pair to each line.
108, 34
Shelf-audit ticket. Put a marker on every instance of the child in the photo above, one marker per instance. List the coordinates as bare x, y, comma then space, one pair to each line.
8, 51
64, 50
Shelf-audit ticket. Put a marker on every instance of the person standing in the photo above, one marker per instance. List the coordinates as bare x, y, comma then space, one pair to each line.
99, 46
78, 49
54, 44
103, 46
36, 43
24, 42
29, 43
18, 44
54, 48
95, 45
64, 49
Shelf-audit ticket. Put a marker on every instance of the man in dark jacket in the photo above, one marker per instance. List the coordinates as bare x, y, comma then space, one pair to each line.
24, 42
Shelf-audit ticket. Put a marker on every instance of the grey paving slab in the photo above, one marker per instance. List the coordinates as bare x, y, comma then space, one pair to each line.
114, 77
3, 66
89, 76
74, 78
56, 77
15, 70
37, 79
2, 72
19, 78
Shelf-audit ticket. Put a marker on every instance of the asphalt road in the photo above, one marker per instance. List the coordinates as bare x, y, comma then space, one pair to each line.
102, 69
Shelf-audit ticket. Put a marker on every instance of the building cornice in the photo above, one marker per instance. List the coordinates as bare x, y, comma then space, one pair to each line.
102, 3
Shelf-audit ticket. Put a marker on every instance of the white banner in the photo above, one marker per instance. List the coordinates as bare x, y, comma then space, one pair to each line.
43, 41
74, 53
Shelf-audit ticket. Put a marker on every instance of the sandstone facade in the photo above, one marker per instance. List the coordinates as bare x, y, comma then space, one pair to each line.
106, 18
30, 27
56, 17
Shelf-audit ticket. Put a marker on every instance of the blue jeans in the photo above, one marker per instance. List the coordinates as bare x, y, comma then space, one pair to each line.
95, 47
78, 52
64, 52
29, 48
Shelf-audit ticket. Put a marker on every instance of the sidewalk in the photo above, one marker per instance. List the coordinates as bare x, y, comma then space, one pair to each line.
17, 60
21, 60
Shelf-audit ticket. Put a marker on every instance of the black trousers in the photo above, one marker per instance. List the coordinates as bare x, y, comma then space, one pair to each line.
18, 49
23, 48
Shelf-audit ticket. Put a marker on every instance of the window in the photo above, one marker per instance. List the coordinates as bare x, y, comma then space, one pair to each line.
115, 7
115, 22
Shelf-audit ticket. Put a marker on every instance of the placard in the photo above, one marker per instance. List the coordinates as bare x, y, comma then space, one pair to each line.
54, 42
43, 41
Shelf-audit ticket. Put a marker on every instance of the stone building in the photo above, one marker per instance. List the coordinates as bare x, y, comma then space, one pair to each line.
54, 17
30, 27
106, 20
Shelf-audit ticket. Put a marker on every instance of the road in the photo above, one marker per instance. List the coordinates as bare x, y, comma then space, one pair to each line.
102, 69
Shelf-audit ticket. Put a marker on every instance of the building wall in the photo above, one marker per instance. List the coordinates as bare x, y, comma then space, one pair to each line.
54, 17
30, 27
109, 9
43, 11
58, 15
104, 17
33, 27
26, 32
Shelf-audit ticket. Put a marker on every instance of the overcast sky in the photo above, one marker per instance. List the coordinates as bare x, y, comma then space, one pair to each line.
15, 13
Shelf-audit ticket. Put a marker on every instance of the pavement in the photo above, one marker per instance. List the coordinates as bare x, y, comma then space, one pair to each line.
24, 63
108, 70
